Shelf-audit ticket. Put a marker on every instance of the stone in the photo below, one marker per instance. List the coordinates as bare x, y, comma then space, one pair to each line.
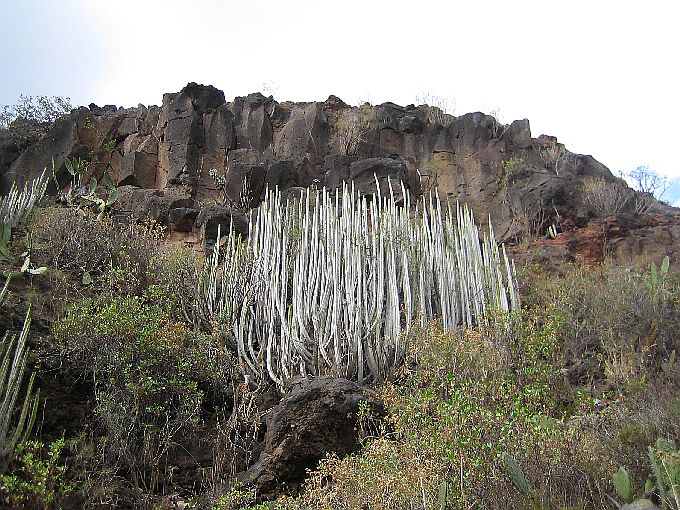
152, 204
139, 166
181, 219
316, 417
363, 174
214, 217
181, 135
281, 175
253, 127
304, 136
640, 504
519, 134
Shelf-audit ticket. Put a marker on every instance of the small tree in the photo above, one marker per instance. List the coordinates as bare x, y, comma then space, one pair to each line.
605, 197
646, 180
32, 116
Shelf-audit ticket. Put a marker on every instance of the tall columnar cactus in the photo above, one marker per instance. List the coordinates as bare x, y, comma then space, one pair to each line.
17, 204
16, 417
332, 283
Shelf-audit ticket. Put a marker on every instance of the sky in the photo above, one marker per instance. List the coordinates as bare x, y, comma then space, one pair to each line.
600, 75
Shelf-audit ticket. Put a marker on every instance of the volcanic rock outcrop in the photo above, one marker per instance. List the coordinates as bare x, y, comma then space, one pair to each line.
197, 150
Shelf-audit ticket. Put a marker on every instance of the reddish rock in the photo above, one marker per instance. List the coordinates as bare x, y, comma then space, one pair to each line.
621, 238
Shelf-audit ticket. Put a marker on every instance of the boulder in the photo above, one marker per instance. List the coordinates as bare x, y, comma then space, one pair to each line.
519, 134
139, 166
9, 152
640, 504
281, 175
337, 169
304, 136
363, 174
57, 145
152, 204
180, 131
316, 417
213, 217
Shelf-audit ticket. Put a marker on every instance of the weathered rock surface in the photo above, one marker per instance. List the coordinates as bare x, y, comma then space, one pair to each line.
315, 418
214, 217
640, 504
229, 153
624, 238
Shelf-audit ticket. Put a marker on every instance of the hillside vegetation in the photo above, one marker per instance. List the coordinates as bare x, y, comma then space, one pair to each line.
136, 373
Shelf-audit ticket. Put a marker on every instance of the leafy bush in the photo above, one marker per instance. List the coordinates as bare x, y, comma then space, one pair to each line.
145, 368
620, 327
461, 401
72, 239
496, 419
40, 481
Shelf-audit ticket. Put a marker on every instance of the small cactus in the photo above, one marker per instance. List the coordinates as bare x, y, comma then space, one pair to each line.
622, 484
519, 480
665, 459
12, 366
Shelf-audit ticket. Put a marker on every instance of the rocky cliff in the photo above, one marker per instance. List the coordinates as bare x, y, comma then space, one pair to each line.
198, 152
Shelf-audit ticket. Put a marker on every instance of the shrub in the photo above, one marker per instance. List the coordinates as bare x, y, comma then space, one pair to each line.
40, 480
619, 328
605, 198
460, 402
149, 376
495, 418
553, 155
76, 241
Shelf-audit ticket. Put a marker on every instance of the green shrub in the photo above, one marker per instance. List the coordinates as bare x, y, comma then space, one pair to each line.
461, 401
149, 376
39, 482
620, 330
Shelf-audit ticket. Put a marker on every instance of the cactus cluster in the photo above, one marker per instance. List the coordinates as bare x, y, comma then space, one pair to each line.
17, 204
332, 282
13, 428
664, 458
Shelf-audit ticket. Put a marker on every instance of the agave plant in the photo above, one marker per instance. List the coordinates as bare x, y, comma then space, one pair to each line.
16, 417
332, 282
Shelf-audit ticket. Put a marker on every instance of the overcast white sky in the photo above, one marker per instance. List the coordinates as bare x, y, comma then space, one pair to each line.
600, 75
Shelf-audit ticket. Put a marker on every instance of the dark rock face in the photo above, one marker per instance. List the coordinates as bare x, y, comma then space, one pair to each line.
315, 418
218, 153
214, 217
157, 205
